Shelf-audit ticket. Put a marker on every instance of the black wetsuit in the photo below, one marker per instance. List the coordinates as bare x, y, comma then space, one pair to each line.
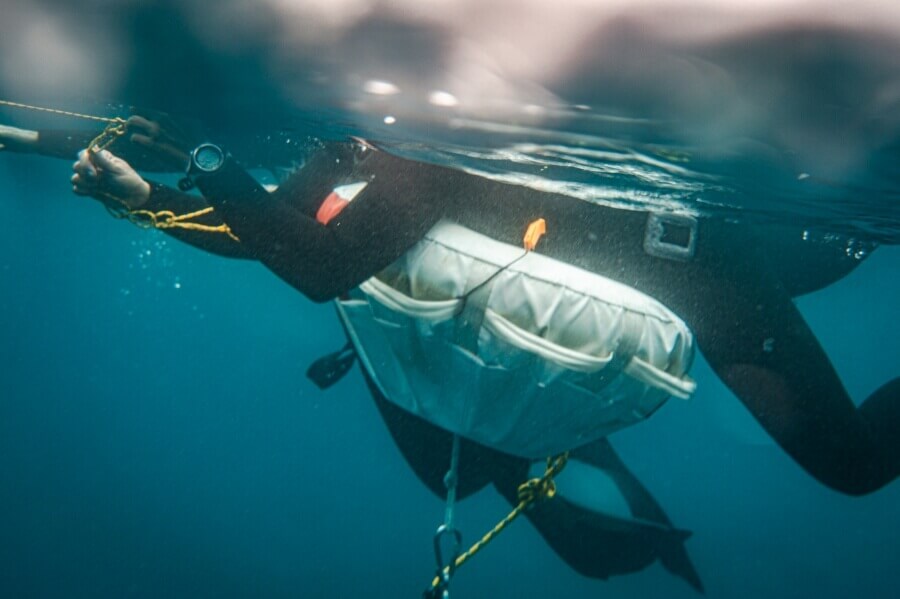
734, 293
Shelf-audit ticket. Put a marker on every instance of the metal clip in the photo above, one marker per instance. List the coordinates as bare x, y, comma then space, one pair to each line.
671, 236
445, 569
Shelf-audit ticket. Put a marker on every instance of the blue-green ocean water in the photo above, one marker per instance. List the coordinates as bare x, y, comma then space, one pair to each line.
158, 436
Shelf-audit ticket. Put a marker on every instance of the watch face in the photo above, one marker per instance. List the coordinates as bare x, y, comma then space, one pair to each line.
208, 158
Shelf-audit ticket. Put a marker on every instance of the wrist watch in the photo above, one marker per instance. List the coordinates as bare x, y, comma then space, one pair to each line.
206, 159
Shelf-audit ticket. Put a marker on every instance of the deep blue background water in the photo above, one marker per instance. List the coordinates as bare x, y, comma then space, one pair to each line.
158, 438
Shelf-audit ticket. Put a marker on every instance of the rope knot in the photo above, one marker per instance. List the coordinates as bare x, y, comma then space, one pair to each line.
536, 489
146, 219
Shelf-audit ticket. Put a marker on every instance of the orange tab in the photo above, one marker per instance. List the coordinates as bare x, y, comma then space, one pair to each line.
534, 233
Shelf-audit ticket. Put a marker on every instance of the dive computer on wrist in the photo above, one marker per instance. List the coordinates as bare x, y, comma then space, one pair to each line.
206, 159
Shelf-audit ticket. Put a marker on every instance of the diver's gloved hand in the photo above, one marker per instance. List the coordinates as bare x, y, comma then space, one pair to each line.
105, 177
14, 139
164, 138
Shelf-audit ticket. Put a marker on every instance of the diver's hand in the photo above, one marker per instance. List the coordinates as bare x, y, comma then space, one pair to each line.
163, 138
105, 176
17, 140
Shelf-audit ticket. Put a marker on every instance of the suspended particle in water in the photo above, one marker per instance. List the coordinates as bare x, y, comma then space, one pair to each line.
769, 345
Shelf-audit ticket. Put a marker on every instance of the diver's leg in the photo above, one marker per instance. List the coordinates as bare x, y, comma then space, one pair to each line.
761, 347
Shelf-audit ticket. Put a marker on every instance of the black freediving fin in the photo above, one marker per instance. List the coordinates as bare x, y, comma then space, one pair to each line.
328, 370
674, 557
603, 522
644, 507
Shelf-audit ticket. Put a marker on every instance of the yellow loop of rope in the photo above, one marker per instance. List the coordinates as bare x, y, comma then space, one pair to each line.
529, 492
166, 219
106, 137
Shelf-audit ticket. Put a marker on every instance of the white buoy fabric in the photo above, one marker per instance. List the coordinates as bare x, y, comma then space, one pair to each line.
514, 350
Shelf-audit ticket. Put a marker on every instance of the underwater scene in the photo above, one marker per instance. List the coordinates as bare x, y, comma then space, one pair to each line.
458, 298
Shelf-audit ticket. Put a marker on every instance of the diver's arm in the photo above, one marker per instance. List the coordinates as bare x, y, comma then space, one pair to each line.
302, 191
14, 139
758, 343
111, 180
61, 143
66, 143
395, 210
399, 205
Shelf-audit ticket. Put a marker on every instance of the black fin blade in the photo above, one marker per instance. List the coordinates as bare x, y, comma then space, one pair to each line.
328, 370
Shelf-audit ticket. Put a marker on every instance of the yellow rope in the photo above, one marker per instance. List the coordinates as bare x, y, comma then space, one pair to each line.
114, 128
106, 137
164, 219
529, 492
77, 115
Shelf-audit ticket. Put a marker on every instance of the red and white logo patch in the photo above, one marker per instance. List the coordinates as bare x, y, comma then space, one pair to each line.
337, 200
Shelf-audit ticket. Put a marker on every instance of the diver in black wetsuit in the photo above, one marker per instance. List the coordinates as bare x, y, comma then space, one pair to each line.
733, 294
735, 297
